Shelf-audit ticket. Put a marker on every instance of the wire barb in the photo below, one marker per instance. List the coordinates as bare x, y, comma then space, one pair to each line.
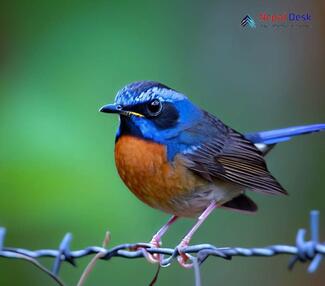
308, 250
302, 251
64, 250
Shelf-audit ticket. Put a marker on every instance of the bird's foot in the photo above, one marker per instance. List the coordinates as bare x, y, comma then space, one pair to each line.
183, 258
152, 258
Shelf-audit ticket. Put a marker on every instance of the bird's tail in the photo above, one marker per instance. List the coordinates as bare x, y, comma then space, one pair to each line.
272, 137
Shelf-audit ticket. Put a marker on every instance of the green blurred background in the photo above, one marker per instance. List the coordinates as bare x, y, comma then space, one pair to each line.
62, 60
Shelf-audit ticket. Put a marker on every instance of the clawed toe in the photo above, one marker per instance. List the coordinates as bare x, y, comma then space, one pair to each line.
152, 258
183, 258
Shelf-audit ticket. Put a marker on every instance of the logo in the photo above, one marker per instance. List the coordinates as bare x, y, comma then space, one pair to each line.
278, 20
248, 21
284, 17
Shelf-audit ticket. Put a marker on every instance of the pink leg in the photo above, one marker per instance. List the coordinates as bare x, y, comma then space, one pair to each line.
187, 238
156, 241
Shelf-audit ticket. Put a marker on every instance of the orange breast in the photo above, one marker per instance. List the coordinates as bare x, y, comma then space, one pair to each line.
144, 168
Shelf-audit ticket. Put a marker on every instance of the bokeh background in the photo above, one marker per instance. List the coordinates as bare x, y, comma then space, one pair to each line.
61, 60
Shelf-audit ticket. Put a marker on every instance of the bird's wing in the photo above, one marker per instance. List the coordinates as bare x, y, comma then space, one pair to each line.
228, 155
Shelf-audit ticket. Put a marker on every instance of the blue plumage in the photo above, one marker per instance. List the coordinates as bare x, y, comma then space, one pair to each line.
281, 135
192, 125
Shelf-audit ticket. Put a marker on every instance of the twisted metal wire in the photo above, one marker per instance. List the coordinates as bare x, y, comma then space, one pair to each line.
303, 251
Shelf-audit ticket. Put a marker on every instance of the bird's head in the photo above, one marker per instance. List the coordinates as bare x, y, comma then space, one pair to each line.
152, 111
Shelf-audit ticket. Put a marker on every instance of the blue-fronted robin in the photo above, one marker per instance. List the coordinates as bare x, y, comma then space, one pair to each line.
182, 160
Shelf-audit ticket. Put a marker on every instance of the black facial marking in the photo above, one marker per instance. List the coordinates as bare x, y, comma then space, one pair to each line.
167, 118
127, 127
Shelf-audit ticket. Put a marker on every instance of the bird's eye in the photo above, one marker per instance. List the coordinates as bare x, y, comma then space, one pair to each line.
154, 107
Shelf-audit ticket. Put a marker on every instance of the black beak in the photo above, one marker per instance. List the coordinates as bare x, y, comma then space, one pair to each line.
117, 109
111, 108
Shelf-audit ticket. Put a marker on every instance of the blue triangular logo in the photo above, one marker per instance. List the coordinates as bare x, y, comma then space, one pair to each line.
248, 21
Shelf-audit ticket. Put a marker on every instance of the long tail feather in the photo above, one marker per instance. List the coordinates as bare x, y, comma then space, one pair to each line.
281, 135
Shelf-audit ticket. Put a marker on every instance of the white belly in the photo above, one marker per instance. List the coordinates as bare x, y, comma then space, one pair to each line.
193, 204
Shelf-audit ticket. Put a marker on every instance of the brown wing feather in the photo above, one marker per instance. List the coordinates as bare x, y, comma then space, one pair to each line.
230, 156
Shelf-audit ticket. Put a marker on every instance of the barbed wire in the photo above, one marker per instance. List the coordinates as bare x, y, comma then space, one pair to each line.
303, 251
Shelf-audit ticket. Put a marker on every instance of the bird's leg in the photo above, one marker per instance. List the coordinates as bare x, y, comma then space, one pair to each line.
156, 240
182, 258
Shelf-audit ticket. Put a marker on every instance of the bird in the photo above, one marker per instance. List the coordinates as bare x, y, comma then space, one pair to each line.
180, 159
